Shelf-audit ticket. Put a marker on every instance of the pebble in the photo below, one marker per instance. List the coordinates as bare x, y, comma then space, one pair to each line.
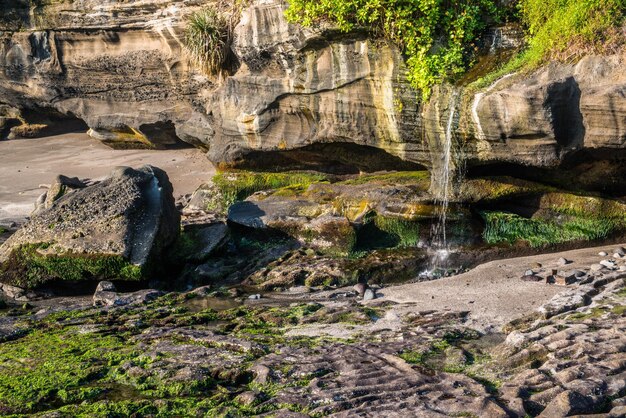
529, 273
300, 289
563, 261
360, 288
608, 264
620, 250
531, 278
603, 253
618, 255
257, 296
596, 267
369, 294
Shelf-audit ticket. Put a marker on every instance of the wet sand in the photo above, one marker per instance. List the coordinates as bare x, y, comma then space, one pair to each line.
26, 164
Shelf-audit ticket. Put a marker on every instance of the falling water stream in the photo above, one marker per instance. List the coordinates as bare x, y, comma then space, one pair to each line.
445, 176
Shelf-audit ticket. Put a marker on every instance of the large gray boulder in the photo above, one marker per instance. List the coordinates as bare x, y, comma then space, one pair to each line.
115, 229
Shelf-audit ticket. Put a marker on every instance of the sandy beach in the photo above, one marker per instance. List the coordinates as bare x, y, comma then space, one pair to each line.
26, 165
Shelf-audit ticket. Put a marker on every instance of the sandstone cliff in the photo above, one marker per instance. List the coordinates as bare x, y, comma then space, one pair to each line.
121, 68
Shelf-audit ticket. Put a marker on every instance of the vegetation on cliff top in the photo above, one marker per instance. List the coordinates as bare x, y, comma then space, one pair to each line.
438, 37
564, 30
435, 35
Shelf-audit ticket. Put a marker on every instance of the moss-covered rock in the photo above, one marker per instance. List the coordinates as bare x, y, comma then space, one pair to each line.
229, 187
115, 229
29, 266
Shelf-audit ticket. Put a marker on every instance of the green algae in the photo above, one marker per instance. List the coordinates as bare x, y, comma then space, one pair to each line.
419, 178
237, 185
28, 267
84, 362
511, 228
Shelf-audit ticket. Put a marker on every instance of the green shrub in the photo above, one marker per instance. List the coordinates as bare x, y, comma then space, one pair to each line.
564, 30
207, 40
559, 29
435, 35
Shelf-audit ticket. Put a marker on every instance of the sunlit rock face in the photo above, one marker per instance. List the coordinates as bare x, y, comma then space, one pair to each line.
117, 66
299, 87
121, 70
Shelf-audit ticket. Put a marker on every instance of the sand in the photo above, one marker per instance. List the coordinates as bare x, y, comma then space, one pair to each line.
493, 292
26, 164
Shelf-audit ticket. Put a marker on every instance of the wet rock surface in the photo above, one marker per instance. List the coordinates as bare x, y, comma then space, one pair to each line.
321, 353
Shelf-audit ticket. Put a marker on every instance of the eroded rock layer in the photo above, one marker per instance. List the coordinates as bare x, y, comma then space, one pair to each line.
121, 68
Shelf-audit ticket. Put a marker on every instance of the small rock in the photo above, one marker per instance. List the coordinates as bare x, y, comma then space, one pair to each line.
360, 288
596, 267
105, 286
618, 255
369, 294
246, 398
564, 280
261, 373
105, 298
563, 261
299, 289
603, 253
529, 273
12, 292
531, 278
608, 264
618, 411
536, 266
567, 403
620, 250
254, 297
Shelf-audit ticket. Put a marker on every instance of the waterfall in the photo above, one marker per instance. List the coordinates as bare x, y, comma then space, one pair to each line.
445, 171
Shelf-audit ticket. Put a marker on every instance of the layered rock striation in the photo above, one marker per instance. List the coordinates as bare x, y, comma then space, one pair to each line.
122, 69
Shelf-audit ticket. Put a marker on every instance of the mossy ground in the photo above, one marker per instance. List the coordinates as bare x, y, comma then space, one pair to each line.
86, 362
237, 185
421, 178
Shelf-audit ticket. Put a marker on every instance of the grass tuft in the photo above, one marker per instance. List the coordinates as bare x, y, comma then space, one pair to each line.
207, 40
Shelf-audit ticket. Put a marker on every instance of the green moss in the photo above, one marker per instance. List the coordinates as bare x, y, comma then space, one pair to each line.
499, 187
407, 232
421, 178
510, 228
49, 367
238, 185
412, 357
27, 267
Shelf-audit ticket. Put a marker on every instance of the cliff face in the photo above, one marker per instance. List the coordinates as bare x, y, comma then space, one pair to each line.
120, 68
